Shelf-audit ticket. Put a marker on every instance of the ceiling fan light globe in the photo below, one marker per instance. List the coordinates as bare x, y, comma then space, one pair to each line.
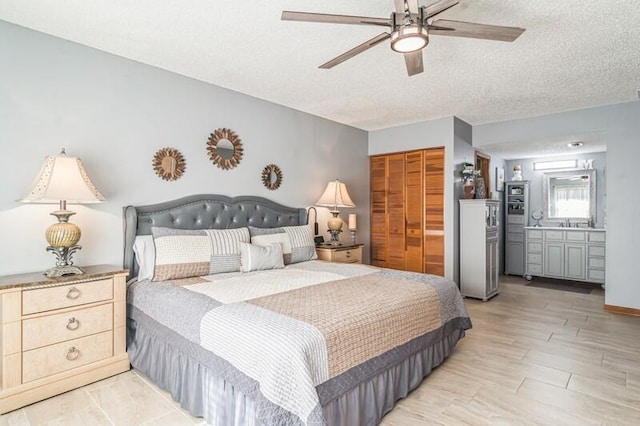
409, 39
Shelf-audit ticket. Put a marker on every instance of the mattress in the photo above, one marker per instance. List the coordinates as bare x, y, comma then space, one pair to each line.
313, 343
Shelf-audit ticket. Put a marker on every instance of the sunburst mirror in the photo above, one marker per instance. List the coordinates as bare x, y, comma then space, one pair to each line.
169, 164
271, 177
224, 148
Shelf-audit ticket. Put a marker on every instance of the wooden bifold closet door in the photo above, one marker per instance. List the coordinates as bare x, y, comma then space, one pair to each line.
407, 211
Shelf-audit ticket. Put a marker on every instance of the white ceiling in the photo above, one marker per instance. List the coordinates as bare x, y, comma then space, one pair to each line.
573, 54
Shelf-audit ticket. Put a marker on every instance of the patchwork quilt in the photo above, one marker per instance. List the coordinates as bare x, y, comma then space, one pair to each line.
296, 338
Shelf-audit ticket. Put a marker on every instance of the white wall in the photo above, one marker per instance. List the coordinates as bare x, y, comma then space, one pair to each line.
620, 125
427, 134
115, 114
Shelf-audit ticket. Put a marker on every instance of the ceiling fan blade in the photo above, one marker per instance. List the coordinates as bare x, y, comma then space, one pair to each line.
438, 7
356, 50
288, 15
473, 30
413, 5
413, 60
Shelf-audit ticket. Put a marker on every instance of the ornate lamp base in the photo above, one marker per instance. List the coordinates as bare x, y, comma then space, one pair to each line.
64, 262
335, 236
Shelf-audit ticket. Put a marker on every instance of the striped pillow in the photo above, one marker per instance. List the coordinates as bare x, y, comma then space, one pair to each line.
297, 241
190, 253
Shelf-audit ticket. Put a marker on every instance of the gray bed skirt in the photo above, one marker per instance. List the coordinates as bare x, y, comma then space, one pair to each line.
179, 366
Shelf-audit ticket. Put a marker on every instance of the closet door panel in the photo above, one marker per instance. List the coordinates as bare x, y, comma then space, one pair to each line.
414, 211
396, 217
434, 211
379, 247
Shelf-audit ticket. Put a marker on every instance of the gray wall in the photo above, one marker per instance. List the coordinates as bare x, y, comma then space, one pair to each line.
115, 114
535, 178
620, 126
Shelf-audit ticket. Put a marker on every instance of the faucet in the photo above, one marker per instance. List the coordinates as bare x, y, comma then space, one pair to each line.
568, 223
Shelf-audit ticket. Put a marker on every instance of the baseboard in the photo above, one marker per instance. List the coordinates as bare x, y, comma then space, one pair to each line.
622, 310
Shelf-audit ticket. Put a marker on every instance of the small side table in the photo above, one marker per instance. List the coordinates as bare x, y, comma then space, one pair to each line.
60, 333
345, 253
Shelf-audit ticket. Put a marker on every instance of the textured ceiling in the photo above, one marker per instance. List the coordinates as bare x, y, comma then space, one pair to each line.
591, 142
573, 54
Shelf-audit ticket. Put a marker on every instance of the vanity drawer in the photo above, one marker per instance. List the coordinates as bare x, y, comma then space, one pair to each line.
64, 356
534, 247
534, 269
517, 219
50, 329
597, 237
579, 236
534, 257
64, 296
554, 235
534, 234
596, 262
596, 275
596, 250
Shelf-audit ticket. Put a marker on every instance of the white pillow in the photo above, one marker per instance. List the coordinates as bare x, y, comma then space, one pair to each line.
257, 258
145, 253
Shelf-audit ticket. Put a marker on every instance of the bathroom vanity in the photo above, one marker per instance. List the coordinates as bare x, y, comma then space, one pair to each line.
566, 253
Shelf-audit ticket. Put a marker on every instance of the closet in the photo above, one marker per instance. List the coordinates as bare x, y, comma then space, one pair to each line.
407, 211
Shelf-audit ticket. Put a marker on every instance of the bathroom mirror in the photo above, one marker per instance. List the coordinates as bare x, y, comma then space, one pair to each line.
570, 195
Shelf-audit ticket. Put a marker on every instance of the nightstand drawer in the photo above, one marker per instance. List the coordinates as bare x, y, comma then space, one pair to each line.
64, 356
348, 256
50, 329
64, 296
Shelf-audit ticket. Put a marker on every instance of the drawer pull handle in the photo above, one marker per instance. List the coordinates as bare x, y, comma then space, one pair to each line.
348, 254
73, 354
73, 324
73, 293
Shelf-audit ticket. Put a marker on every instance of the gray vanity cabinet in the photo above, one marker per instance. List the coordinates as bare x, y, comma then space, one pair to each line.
516, 201
554, 260
571, 254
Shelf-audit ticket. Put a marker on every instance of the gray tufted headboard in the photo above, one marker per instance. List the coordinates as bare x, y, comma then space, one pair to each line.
208, 211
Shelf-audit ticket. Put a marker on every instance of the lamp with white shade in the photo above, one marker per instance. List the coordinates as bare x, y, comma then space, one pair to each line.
335, 196
63, 180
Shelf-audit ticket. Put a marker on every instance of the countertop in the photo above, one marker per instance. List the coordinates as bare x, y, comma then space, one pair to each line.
565, 228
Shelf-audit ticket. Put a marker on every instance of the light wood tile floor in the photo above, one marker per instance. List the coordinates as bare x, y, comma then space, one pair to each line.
534, 357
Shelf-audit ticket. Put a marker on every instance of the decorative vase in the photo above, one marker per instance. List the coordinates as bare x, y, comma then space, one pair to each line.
517, 172
468, 189
480, 190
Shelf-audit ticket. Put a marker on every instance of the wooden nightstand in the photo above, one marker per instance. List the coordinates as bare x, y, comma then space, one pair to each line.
346, 253
60, 333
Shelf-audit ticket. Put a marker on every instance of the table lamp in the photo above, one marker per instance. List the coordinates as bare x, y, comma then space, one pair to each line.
334, 196
63, 180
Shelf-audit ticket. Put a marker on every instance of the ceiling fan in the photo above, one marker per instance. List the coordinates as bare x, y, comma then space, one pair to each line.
410, 28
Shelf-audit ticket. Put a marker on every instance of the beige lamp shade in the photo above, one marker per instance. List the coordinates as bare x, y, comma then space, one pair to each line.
335, 195
62, 178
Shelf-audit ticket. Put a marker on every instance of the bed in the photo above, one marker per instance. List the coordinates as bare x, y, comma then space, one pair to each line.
288, 340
